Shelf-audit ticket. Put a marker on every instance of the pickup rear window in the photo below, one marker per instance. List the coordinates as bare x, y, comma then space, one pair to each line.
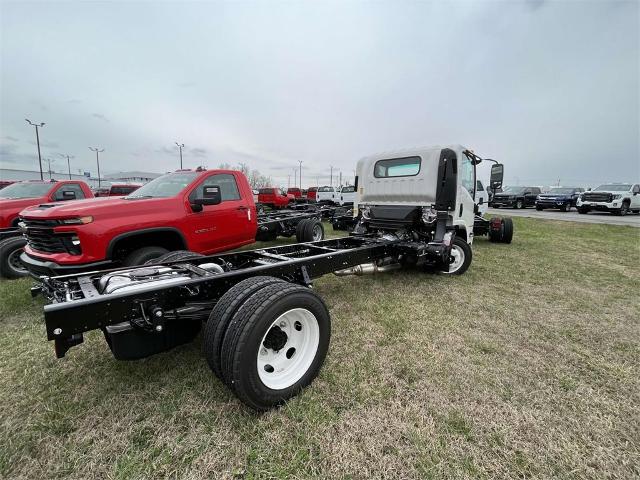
265, 191
348, 189
397, 167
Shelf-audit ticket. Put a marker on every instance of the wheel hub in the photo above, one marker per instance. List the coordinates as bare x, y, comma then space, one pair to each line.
275, 339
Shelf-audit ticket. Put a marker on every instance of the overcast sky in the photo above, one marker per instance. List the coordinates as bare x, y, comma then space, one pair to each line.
549, 88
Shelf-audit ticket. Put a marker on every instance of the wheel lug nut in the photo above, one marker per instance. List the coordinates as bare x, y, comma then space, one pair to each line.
263, 351
283, 324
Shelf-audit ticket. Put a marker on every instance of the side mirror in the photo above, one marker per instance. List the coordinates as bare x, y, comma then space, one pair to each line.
497, 175
68, 195
210, 196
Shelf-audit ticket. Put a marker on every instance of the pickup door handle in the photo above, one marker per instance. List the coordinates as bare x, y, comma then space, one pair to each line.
242, 208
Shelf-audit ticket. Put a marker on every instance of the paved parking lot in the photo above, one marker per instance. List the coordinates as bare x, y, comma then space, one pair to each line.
572, 216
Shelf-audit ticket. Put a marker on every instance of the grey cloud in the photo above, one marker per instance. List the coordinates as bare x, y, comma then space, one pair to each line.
10, 138
198, 152
100, 116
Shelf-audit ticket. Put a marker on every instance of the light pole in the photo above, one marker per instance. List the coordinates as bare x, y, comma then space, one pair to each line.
95, 149
295, 176
300, 162
37, 142
331, 176
180, 146
68, 162
49, 163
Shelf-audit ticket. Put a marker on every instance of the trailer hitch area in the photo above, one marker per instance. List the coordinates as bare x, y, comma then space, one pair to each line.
63, 344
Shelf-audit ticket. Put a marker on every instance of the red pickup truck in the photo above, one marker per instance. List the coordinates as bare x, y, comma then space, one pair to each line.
205, 211
117, 190
275, 197
19, 195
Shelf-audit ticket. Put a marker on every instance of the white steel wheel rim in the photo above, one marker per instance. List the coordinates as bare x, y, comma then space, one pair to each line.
317, 233
282, 368
458, 259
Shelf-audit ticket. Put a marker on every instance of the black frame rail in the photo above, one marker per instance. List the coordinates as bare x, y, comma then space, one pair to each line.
299, 263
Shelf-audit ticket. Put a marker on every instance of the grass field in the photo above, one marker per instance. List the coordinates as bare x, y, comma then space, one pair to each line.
527, 366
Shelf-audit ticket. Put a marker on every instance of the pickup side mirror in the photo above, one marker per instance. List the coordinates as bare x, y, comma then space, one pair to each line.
210, 196
68, 195
497, 175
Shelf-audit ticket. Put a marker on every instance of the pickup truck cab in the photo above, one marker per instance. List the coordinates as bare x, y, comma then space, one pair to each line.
275, 197
20, 195
326, 195
617, 198
117, 190
559, 197
347, 195
516, 197
312, 193
198, 210
295, 192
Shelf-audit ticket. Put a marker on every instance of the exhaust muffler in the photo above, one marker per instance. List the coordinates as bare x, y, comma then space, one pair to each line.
368, 268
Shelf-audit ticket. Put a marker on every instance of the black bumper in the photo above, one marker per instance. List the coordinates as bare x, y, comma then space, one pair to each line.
38, 268
553, 204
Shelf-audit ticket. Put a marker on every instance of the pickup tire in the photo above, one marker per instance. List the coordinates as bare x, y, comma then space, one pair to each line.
462, 255
538, 208
142, 255
507, 230
222, 314
519, 204
10, 265
174, 256
275, 345
583, 210
623, 210
314, 231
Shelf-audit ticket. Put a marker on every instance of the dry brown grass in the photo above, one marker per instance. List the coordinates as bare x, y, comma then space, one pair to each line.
525, 367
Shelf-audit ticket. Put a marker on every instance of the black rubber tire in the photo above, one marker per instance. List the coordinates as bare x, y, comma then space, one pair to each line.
539, 208
566, 207
507, 230
519, 204
624, 209
143, 255
222, 314
9, 248
310, 230
245, 332
468, 256
583, 210
300, 229
174, 256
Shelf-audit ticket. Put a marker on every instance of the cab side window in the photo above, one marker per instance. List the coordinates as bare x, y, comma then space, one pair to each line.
69, 187
467, 175
226, 182
479, 186
636, 189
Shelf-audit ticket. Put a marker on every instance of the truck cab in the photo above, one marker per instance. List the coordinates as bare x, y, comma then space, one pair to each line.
198, 210
617, 198
275, 197
347, 195
19, 195
326, 195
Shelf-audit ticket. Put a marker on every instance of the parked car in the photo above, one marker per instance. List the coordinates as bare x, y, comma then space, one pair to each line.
121, 189
482, 198
516, 197
617, 198
17, 196
198, 210
275, 197
559, 197
326, 195
347, 195
311, 193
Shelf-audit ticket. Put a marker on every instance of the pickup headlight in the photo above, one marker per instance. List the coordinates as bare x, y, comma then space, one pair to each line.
617, 197
77, 221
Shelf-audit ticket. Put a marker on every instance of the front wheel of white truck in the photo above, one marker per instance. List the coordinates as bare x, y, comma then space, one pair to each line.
461, 255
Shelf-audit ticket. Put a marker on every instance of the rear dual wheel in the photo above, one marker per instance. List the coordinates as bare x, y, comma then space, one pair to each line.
504, 234
309, 230
267, 339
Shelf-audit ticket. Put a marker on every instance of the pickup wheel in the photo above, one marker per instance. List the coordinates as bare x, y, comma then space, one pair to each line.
10, 264
143, 255
566, 207
538, 208
461, 256
519, 204
314, 231
583, 210
275, 345
624, 209
222, 314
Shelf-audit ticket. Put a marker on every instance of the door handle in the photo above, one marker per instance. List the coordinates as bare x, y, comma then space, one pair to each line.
242, 208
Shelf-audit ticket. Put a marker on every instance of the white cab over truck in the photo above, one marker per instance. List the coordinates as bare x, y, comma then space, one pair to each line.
617, 198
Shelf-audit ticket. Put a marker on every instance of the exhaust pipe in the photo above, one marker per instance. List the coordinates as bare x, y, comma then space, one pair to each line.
367, 268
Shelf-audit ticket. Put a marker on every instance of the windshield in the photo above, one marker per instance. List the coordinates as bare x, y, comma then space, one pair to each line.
612, 187
561, 191
348, 189
513, 190
325, 189
165, 186
25, 190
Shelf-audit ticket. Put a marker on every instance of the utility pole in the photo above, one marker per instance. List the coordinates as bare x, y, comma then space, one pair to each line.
340, 177
95, 149
37, 142
288, 180
68, 162
331, 176
295, 176
49, 163
300, 162
180, 146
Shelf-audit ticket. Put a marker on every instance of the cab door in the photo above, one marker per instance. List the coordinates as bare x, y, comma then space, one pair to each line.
223, 226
